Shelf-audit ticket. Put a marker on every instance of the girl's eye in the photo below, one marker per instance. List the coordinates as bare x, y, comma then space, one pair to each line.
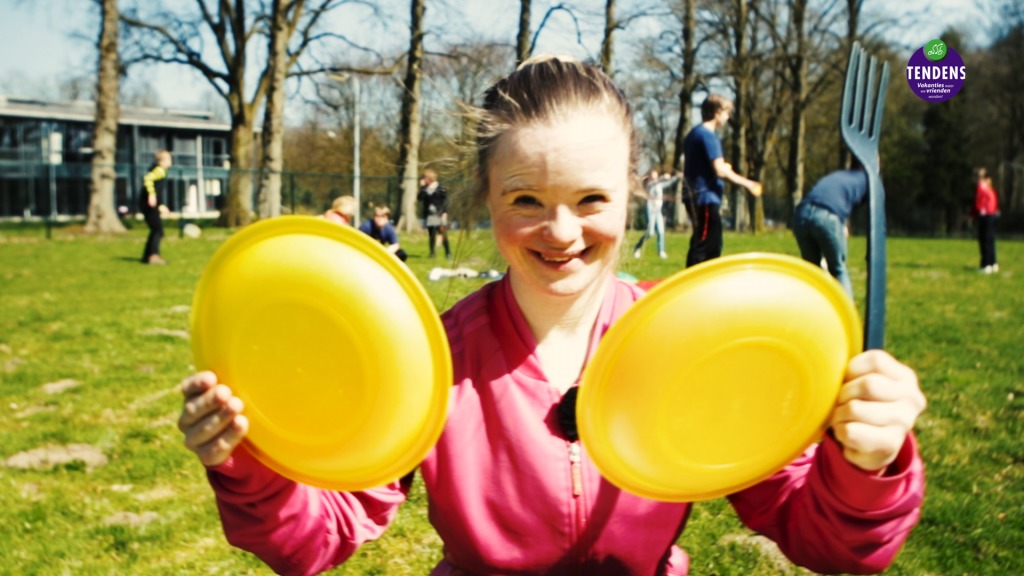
593, 198
526, 200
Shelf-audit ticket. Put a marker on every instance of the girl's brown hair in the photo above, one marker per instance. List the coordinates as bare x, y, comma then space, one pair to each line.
540, 89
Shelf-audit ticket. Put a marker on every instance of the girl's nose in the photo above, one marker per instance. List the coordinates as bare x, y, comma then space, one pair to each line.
563, 226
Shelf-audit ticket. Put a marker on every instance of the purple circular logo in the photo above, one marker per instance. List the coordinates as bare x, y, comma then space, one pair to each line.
938, 75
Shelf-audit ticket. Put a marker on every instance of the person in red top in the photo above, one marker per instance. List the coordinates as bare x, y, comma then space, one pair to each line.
986, 210
511, 489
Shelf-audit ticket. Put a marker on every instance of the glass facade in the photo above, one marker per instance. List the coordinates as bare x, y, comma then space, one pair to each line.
45, 165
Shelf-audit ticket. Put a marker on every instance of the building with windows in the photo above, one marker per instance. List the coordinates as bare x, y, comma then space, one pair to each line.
46, 151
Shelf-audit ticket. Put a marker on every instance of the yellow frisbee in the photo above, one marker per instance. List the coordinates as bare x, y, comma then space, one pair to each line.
718, 378
332, 344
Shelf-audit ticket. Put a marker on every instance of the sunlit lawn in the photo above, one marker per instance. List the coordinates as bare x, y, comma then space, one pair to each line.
82, 310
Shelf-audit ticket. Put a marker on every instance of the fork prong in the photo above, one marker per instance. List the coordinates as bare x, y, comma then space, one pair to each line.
858, 102
846, 115
883, 87
869, 95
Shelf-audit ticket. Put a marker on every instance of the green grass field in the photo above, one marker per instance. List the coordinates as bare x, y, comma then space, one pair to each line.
95, 479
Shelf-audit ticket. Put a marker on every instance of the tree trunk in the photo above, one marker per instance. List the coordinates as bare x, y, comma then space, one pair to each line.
231, 28
852, 23
523, 38
103, 215
797, 134
273, 119
411, 128
609, 31
237, 210
741, 215
685, 100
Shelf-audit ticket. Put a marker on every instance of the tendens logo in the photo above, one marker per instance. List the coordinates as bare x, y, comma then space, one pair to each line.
936, 72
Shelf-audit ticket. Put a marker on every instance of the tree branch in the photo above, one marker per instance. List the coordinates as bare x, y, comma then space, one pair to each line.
552, 10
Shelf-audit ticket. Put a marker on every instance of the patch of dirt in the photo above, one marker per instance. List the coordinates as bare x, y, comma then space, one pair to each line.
767, 548
33, 410
181, 309
130, 519
11, 364
165, 332
50, 456
158, 493
150, 399
29, 491
60, 386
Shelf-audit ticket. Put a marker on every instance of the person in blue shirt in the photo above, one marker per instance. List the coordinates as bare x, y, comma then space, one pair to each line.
380, 229
703, 170
819, 221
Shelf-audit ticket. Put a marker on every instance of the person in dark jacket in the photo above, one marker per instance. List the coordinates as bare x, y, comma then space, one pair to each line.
433, 199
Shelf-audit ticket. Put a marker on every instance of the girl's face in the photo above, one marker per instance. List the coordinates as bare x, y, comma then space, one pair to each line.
558, 194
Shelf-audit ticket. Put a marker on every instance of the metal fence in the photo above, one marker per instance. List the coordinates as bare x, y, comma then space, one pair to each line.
36, 191
41, 191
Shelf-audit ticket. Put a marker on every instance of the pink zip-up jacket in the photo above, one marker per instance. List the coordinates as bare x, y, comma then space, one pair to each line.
508, 494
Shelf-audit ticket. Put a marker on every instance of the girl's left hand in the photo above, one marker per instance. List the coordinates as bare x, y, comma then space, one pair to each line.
878, 404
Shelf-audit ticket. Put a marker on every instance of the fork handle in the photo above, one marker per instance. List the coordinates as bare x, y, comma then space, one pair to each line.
874, 316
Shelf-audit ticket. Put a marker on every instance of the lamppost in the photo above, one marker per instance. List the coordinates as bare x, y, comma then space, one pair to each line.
341, 79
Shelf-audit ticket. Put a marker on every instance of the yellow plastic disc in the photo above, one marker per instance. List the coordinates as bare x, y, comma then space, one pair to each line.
718, 378
332, 344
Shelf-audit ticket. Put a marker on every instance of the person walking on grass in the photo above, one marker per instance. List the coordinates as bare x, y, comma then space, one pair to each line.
655, 188
703, 170
150, 206
510, 489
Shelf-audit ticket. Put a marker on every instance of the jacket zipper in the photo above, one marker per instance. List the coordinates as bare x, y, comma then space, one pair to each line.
579, 503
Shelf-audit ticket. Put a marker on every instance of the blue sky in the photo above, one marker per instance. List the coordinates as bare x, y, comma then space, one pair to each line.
38, 47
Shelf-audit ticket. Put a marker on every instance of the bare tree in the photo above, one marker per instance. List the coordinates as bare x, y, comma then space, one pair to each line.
102, 214
458, 76
524, 28
797, 128
688, 85
170, 38
853, 8
741, 68
523, 45
808, 44
689, 78
739, 39
410, 132
607, 42
1003, 71
769, 96
612, 22
273, 118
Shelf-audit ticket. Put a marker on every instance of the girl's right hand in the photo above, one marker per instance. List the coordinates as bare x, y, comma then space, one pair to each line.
211, 418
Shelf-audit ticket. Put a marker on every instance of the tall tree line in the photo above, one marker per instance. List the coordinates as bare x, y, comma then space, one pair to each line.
781, 61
